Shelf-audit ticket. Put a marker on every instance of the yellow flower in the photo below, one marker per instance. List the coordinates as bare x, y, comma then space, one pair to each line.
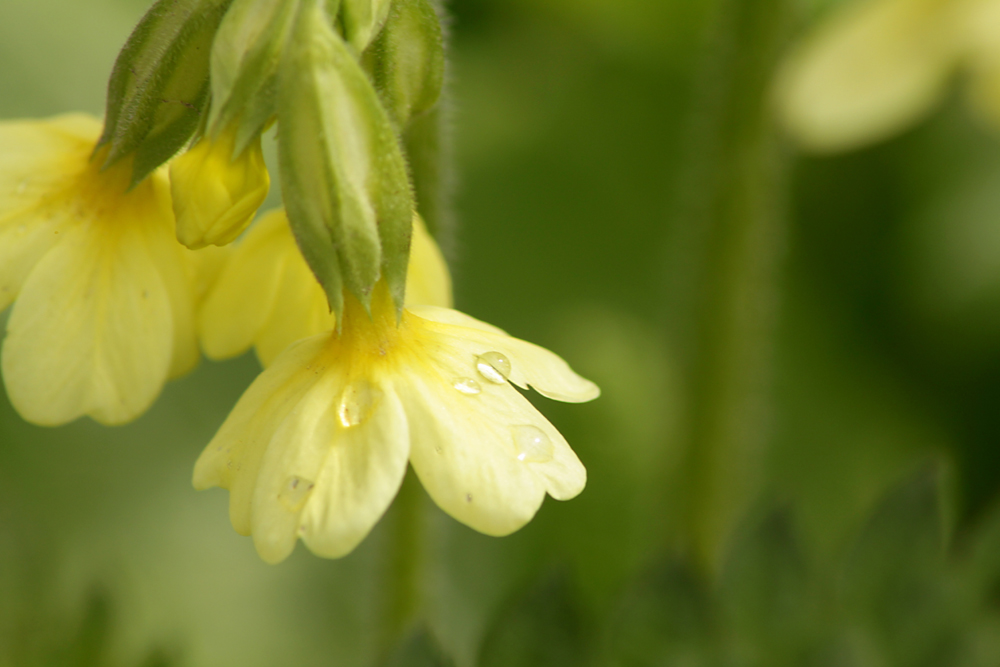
876, 67
318, 445
267, 297
215, 196
103, 312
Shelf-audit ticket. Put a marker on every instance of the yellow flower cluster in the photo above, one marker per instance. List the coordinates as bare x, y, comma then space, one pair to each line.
108, 304
877, 66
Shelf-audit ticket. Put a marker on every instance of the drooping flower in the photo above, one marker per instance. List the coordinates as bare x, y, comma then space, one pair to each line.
215, 193
877, 66
104, 309
318, 445
267, 297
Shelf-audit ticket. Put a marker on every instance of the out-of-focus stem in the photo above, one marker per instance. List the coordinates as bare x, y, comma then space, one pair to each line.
736, 231
404, 563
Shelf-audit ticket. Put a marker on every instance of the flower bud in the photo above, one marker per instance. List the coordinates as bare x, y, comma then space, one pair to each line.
342, 169
215, 196
160, 86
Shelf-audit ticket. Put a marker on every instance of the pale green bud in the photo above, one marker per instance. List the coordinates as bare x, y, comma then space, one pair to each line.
214, 195
246, 54
407, 60
343, 176
159, 85
362, 20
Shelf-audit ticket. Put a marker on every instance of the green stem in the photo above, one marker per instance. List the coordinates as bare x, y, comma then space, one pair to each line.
404, 563
736, 233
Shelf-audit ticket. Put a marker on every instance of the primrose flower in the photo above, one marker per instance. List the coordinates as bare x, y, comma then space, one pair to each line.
215, 193
318, 445
877, 66
104, 308
267, 297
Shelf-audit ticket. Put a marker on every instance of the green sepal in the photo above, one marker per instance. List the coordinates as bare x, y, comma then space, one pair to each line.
246, 55
362, 20
342, 166
406, 61
160, 83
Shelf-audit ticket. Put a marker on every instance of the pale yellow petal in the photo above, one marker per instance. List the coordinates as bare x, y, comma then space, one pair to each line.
868, 72
427, 278
465, 447
360, 475
981, 20
300, 310
530, 364
291, 467
243, 297
92, 331
232, 460
149, 210
38, 161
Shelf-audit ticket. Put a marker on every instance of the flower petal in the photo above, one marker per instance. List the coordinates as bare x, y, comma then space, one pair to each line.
427, 278
243, 296
531, 365
869, 72
37, 160
465, 447
232, 460
300, 310
92, 331
360, 476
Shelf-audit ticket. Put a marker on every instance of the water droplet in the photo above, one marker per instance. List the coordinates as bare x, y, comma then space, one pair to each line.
493, 366
22, 186
357, 403
532, 445
294, 493
467, 386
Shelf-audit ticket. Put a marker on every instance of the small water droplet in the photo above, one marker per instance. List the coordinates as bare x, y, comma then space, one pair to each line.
467, 386
294, 493
532, 445
468, 497
22, 186
357, 403
493, 366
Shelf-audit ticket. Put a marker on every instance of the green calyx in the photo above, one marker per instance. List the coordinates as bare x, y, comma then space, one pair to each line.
160, 83
343, 174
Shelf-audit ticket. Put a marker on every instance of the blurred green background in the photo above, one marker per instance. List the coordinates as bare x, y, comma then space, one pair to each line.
795, 459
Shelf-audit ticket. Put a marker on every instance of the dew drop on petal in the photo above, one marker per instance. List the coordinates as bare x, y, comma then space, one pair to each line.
467, 386
532, 445
22, 186
357, 403
493, 366
294, 493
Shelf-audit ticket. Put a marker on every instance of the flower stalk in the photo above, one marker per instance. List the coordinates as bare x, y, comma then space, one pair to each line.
735, 233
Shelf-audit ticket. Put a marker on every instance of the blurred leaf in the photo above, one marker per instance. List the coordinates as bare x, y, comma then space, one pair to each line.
419, 650
895, 579
768, 594
666, 618
542, 628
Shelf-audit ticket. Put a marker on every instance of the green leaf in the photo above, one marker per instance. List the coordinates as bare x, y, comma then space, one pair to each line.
895, 579
666, 618
540, 629
767, 593
342, 169
407, 60
419, 650
246, 55
160, 83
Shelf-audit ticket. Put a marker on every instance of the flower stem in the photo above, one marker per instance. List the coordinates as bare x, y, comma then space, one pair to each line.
734, 235
404, 563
